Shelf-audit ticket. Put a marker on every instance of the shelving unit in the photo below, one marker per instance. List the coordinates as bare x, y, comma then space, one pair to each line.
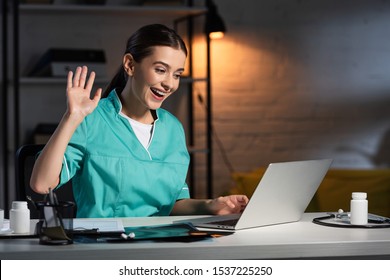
60, 81
27, 44
164, 14
157, 11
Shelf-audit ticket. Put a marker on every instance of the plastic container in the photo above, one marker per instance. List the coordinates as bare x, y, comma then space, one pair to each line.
19, 217
55, 225
1, 218
359, 208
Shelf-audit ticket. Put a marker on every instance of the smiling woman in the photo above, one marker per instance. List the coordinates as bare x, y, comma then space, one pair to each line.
153, 80
126, 155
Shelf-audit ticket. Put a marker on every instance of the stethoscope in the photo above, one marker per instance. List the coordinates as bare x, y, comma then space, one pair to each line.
342, 219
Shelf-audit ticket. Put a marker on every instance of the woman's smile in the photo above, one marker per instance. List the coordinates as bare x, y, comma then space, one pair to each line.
158, 94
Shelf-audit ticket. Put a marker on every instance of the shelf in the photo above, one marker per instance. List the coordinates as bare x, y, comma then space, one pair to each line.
138, 10
57, 80
52, 81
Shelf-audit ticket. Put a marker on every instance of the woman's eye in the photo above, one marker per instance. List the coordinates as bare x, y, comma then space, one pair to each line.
160, 70
177, 76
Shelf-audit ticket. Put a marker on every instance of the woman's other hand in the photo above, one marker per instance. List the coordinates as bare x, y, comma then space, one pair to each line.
231, 204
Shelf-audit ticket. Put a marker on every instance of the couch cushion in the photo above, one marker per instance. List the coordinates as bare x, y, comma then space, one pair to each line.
335, 190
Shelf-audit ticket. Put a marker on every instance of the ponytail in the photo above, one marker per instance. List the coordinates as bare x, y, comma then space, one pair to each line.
118, 82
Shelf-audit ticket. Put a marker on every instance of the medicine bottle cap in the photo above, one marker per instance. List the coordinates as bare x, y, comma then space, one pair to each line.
19, 204
359, 195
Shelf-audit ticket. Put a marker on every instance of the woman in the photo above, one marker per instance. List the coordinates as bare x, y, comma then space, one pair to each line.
125, 155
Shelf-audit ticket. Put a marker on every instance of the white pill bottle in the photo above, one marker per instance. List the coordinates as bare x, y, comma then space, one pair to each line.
19, 217
359, 208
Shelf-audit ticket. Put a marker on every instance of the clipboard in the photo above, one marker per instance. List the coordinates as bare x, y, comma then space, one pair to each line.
175, 232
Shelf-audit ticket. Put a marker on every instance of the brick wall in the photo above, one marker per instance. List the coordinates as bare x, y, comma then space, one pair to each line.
298, 80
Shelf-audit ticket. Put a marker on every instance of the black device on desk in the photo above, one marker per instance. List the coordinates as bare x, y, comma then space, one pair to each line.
55, 226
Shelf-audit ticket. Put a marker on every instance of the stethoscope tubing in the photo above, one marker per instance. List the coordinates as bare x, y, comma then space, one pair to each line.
373, 224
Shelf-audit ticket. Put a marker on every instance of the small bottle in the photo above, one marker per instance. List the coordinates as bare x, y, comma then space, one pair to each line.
19, 217
359, 208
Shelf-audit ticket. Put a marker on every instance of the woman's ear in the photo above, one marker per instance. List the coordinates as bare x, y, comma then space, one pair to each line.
128, 64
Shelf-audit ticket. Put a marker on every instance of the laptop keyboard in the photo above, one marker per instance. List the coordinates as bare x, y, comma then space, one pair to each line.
231, 222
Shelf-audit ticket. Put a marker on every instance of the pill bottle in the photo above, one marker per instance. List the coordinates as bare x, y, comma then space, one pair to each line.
19, 217
359, 208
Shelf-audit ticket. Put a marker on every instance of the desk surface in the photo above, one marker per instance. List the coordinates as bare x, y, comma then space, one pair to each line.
302, 239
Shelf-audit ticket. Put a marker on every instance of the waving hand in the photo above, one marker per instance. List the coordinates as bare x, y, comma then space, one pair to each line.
79, 92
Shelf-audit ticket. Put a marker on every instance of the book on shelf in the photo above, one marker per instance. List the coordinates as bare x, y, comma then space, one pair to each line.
58, 62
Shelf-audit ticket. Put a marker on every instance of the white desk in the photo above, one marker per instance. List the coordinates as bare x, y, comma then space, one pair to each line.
302, 239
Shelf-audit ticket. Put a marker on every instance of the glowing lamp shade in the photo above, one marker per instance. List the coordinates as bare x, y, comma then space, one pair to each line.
214, 25
216, 35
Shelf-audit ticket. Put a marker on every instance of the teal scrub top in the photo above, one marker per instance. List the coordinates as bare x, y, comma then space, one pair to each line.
113, 175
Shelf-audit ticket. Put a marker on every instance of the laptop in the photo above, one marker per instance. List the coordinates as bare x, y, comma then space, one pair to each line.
281, 196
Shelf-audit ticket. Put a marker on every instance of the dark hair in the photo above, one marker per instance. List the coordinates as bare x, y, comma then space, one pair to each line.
140, 45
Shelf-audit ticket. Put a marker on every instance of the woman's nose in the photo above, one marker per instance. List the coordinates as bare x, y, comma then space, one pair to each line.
168, 83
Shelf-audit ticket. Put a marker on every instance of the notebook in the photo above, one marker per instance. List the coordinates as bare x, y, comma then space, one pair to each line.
281, 196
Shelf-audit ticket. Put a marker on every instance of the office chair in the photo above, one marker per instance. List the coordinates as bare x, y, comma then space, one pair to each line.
24, 162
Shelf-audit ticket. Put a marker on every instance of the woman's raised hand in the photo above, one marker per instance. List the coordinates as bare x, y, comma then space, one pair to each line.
78, 92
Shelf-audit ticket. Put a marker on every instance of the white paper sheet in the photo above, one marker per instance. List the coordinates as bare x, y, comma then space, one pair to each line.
102, 225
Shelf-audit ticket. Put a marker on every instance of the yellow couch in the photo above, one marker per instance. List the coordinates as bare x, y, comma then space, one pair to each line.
335, 190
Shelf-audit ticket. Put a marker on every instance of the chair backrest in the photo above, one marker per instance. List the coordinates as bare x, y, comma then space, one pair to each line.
24, 162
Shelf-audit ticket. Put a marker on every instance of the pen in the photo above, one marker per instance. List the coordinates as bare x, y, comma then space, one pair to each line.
32, 201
